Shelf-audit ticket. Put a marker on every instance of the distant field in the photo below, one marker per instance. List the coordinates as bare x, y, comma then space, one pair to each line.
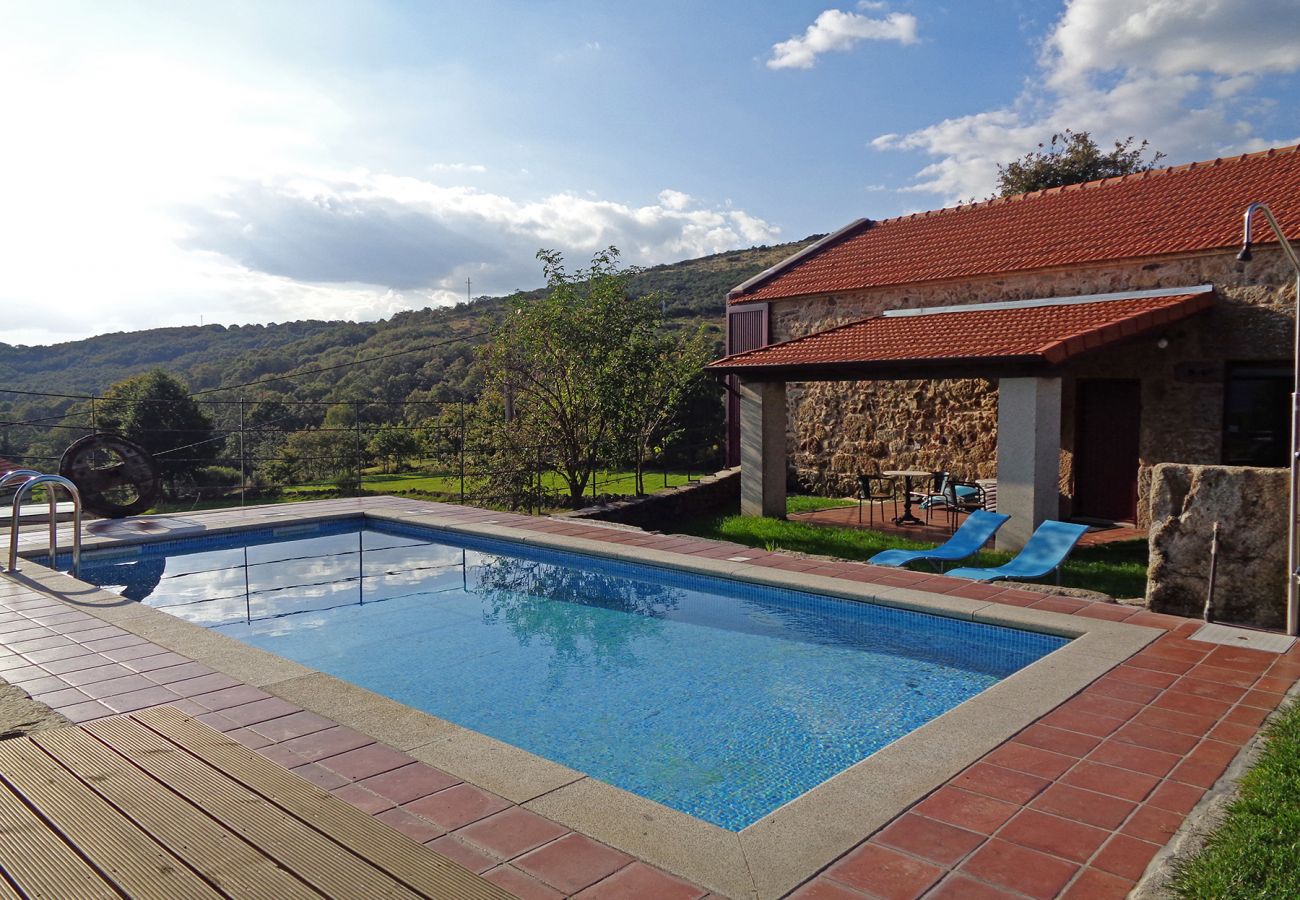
617, 482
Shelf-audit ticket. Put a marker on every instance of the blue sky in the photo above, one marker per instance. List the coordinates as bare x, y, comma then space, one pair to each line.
240, 162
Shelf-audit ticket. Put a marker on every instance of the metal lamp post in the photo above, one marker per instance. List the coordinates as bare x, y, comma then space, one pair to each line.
1293, 508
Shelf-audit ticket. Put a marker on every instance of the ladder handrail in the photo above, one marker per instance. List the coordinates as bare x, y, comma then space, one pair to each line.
54, 481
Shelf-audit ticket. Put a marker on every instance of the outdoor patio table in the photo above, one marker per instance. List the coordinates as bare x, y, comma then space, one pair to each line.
907, 475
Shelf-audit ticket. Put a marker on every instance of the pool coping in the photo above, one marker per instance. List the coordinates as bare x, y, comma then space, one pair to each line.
768, 858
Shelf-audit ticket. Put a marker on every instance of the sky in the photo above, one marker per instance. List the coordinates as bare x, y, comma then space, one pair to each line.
178, 163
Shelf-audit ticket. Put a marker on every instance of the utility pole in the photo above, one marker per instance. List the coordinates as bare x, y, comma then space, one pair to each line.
467, 297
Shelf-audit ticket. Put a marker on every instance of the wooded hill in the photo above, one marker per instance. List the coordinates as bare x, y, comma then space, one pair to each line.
215, 356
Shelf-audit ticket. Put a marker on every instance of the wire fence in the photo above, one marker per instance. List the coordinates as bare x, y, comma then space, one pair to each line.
253, 450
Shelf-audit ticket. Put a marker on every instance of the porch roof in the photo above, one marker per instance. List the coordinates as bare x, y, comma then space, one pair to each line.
978, 340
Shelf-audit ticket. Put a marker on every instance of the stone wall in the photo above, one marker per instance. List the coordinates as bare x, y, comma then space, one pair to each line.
718, 493
1250, 505
839, 429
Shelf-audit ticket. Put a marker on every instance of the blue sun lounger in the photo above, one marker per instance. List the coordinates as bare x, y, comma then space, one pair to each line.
966, 541
1044, 552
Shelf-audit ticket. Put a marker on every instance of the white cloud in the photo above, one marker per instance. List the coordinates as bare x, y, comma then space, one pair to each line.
141, 190
458, 168
1172, 71
836, 30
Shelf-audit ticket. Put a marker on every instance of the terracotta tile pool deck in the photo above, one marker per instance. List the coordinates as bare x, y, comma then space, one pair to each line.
1077, 804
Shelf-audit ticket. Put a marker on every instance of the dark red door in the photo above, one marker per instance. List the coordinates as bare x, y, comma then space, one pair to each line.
1106, 449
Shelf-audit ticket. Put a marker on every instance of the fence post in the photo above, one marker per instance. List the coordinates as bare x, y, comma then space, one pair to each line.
356, 415
460, 444
243, 471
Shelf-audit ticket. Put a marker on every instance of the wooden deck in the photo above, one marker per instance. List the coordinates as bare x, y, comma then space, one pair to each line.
157, 805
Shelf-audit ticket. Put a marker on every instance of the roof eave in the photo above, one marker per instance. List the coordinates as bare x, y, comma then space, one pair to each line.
816, 247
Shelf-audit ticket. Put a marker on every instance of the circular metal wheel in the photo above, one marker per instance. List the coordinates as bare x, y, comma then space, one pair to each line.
116, 477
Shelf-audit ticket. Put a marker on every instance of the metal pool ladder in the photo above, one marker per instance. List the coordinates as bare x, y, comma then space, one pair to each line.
32, 479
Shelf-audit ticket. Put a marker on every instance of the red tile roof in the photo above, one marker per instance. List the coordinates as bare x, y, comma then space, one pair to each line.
1181, 209
1041, 335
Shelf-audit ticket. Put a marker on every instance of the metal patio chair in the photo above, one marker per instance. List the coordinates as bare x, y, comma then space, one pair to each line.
873, 489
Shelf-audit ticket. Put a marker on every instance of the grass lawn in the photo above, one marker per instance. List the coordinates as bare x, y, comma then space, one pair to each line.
423, 483
1118, 569
1255, 853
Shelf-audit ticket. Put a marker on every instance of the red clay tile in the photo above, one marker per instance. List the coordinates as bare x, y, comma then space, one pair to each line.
1124, 690
1020, 869
884, 873
929, 839
1155, 738
1081, 722
1138, 675
1110, 780
366, 761
88, 676
1263, 699
408, 823
133, 700
1084, 806
458, 852
822, 888
330, 742
84, 712
362, 799
320, 776
1125, 856
1051, 834
409, 782
1108, 611
959, 887
1169, 720
259, 711
1137, 759
965, 810
1246, 715
184, 672
511, 832
1233, 733
1035, 761
1093, 884
520, 885
222, 698
1234, 677
1179, 798
146, 662
1191, 704
1151, 823
284, 728
999, 783
113, 686
1241, 658
639, 880
1212, 689
458, 805
571, 863
1057, 740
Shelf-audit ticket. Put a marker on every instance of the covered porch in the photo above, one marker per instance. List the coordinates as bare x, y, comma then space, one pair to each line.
1026, 348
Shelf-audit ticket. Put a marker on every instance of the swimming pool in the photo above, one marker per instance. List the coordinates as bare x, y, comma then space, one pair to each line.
718, 698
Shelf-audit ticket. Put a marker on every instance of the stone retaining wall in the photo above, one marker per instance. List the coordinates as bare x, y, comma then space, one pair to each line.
1250, 505
716, 493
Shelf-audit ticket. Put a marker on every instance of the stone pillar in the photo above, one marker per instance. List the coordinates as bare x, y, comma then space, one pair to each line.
1029, 460
762, 448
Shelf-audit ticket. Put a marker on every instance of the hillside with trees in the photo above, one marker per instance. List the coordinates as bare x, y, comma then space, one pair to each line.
418, 364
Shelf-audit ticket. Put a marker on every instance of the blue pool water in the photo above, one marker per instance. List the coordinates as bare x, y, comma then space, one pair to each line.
718, 698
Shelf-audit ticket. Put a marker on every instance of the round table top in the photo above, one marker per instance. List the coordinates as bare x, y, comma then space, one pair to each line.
908, 473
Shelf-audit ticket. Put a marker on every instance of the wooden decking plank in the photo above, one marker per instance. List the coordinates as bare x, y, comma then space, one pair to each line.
138, 865
331, 868
39, 861
222, 857
7, 890
412, 863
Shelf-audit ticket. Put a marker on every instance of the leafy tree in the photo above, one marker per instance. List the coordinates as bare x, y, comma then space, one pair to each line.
586, 369
394, 445
156, 411
1072, 157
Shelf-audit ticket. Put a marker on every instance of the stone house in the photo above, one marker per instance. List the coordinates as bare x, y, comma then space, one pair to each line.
1063, 342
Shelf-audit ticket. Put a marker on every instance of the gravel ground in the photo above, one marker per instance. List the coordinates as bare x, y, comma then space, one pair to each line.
20, 714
